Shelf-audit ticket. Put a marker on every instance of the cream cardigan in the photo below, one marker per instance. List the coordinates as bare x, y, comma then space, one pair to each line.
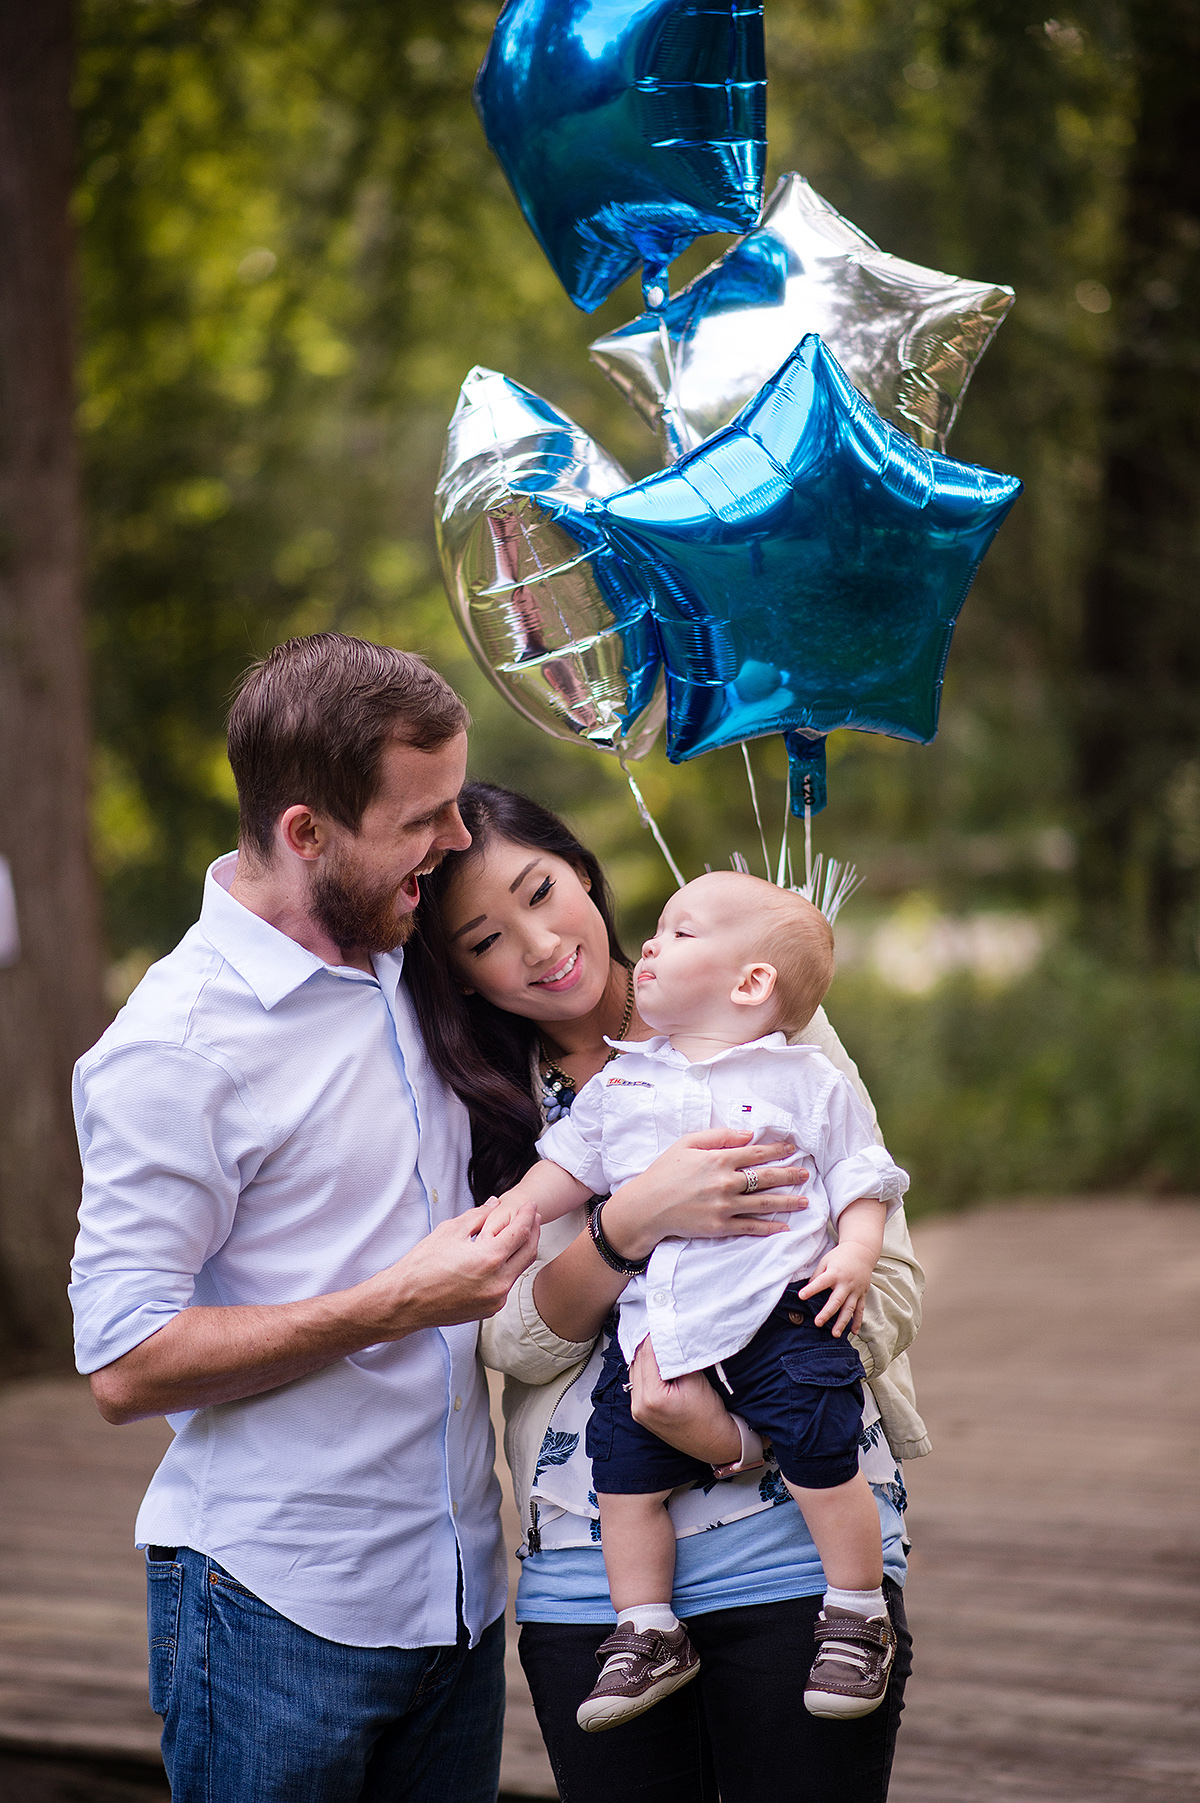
539, 1366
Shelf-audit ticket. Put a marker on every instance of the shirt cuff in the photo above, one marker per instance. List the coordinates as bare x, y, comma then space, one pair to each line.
871, 1174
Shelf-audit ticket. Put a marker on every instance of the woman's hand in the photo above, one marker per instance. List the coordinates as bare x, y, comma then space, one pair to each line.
696, 1189
685, 1411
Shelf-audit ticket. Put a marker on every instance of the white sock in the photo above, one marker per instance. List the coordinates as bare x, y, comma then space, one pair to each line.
859, 1602
644, 1616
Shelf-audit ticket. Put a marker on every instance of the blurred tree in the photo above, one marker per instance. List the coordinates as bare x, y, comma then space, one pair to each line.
1139, 744
50, 1002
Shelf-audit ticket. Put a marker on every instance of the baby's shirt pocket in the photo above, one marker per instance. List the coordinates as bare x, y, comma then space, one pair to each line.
631, 1137
769, 1124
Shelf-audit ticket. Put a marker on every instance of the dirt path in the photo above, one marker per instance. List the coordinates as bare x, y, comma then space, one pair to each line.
1055, 1588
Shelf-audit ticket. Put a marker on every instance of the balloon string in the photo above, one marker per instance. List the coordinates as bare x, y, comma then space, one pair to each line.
647, 819
787, 810
671, 410
757, 815
807, 844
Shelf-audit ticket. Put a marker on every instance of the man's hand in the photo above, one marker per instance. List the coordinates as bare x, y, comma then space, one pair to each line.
462, 1271
686, 1411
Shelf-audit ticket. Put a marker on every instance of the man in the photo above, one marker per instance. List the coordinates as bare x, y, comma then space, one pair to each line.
275, 1251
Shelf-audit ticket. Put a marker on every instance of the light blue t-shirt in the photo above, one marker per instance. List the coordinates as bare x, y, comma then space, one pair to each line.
768, 1557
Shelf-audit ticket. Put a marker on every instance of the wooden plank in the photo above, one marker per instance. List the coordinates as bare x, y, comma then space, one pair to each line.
1055, 1587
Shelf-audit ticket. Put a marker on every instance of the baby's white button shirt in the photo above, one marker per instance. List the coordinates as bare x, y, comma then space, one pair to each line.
701, 1301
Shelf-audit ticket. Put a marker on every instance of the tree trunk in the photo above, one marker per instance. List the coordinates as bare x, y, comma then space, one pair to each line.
1139, 743
50, 996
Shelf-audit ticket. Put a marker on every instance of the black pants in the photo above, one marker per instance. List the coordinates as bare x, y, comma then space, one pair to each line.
739, 1731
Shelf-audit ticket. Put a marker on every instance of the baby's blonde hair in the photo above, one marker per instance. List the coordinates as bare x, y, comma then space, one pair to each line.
785, 930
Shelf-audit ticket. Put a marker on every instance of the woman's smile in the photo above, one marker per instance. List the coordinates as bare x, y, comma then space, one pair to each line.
564, 975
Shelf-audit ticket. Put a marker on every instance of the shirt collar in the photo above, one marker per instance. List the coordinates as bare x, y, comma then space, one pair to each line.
660, 1047
271, 963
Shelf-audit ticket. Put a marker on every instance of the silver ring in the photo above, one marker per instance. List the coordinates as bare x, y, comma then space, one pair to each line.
751, 1176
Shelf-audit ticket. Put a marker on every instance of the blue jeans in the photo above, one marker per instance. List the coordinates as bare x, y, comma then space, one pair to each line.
258, 1710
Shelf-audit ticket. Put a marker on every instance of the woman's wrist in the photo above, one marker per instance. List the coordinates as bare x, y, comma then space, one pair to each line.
624, 1232
616, 1261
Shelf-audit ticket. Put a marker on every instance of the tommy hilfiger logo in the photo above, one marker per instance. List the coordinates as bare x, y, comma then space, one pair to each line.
628, 1083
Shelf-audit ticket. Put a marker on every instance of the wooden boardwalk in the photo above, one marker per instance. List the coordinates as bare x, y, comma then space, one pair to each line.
1055, 1589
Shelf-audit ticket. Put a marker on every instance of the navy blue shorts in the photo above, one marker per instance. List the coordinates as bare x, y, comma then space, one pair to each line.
794, 1383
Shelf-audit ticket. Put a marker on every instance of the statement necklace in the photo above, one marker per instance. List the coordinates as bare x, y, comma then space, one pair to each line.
557, 1081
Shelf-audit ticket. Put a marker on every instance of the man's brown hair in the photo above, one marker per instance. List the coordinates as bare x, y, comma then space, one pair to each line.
310, 722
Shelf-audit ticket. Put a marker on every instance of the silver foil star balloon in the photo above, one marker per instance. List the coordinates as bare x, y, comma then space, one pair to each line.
532, 581
907, 337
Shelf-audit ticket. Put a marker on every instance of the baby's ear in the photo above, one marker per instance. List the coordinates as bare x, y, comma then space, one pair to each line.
755, 986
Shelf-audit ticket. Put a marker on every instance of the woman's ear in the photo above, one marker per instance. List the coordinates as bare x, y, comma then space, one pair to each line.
755, 986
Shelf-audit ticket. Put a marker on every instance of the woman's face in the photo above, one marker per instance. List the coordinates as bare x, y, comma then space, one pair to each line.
525, 933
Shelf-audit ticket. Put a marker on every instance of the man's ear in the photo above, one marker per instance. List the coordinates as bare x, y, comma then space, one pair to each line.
755, 986
299, 831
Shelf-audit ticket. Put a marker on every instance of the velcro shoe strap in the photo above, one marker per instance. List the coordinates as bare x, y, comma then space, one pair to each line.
627, 1640
878, 1631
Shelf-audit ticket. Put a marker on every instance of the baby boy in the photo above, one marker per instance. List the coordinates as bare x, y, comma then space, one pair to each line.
735, 966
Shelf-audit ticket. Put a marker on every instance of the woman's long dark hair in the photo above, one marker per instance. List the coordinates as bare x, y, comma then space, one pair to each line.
484, 1053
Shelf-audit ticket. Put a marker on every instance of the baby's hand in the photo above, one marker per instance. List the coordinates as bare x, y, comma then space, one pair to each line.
845, 1272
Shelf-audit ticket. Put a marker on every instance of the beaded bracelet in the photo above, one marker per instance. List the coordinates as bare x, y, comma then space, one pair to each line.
626, 1267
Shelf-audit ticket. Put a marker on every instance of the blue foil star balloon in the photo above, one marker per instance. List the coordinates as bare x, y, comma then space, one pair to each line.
909, 338
805, 565
627, 128
539, 596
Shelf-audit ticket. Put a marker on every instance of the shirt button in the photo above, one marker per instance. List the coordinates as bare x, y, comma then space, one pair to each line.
661, 1298
458, 1402
454, 1510
435, 1198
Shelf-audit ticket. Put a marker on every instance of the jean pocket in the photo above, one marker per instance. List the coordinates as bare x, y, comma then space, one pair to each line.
223, 1585
164, 1592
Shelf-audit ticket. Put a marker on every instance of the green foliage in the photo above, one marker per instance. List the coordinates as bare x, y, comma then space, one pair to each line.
1080, 1077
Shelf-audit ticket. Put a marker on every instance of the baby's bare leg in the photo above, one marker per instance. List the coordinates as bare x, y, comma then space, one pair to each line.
844, 1524
639, 1549
649, 1655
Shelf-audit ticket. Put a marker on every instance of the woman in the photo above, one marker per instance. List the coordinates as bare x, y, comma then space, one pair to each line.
518, 977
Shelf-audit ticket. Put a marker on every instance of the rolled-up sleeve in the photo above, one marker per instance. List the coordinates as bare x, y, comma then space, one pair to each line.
168, 1141
853, 1164
576, 1141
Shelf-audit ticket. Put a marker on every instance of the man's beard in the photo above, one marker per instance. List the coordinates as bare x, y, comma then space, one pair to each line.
358, 915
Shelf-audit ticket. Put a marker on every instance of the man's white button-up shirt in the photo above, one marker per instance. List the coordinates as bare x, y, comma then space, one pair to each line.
703, 1300
259, 1127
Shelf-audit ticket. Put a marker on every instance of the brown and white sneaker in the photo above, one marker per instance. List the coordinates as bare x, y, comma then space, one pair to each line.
637, 1671
854, 1658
